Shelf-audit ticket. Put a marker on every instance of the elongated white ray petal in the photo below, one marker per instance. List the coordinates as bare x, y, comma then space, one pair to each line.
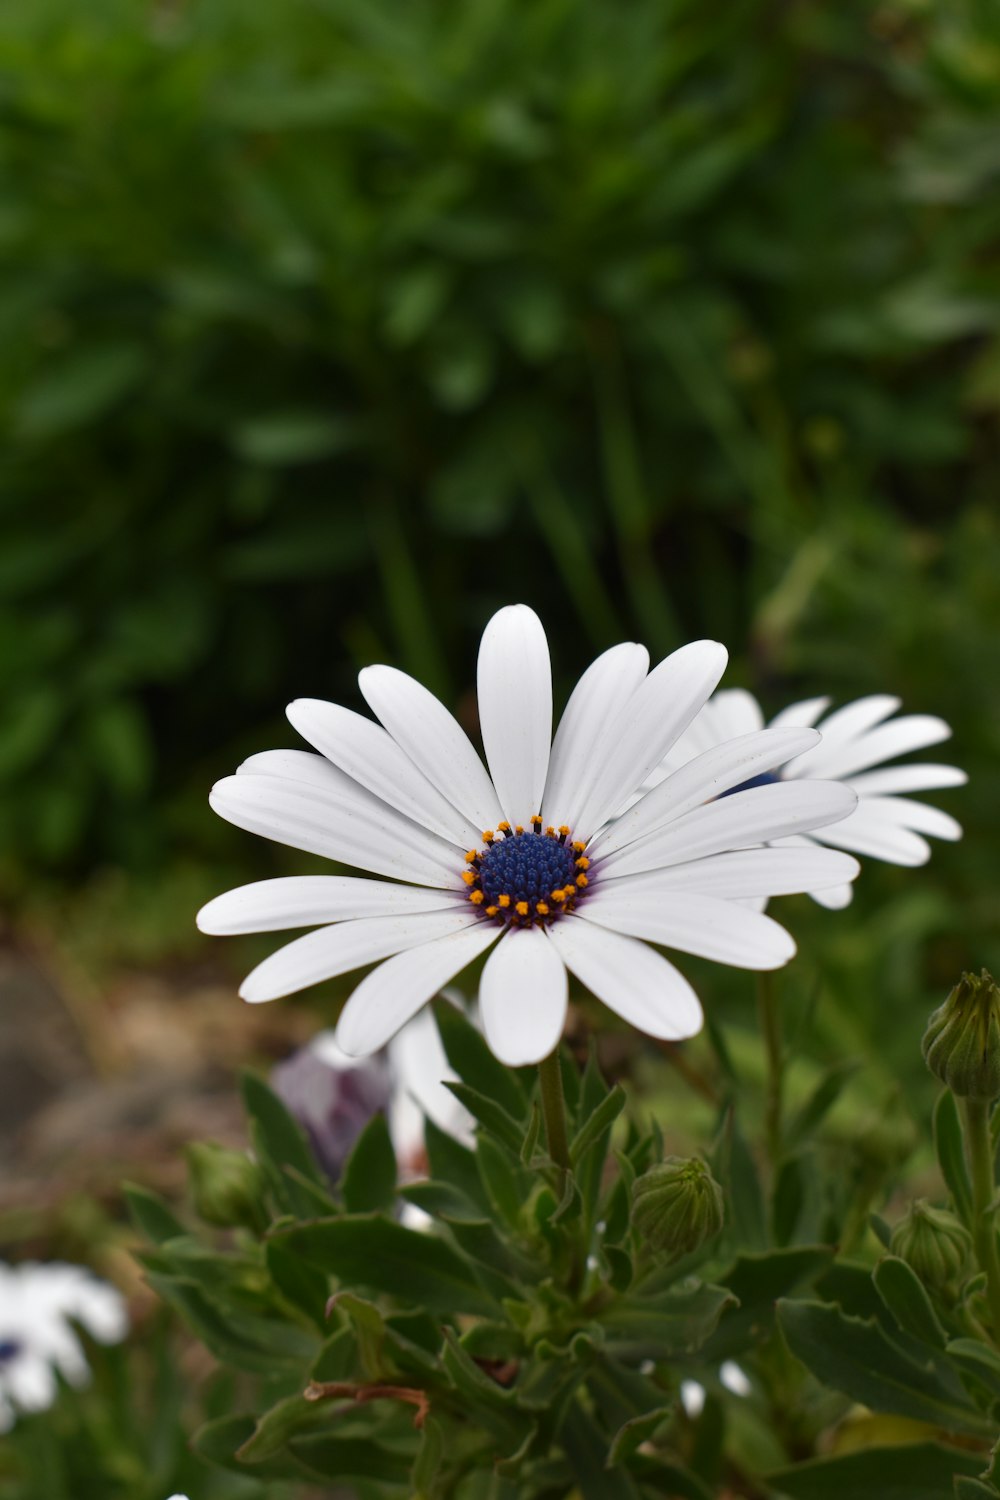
370, 755
388, 996
845, 726
597, 701
522, 998
293, 765
919, 816
345, 946
312, 900
515, 708
434, 741
772, 871
729, 713
738, 822
834, 897
692, 923
803, 714
701, 780
632, 979
340, 821
898, 737
918, 778
864, 833
658, 711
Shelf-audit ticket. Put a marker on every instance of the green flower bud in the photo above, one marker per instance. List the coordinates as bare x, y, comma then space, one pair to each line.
227, 1186
677, 1206
934, 1245
962, 1041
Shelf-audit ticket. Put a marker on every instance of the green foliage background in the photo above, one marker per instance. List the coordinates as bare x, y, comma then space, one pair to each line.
327, 326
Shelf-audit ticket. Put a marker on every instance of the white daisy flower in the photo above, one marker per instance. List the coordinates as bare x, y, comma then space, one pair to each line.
524, 859
39, 1305
857, 741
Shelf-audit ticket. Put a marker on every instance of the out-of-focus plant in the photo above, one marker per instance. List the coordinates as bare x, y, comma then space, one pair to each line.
685, 315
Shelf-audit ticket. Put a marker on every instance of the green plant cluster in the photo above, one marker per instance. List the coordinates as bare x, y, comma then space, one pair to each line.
532, 1341
666, 319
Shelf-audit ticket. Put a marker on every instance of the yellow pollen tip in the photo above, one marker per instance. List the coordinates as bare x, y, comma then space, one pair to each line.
550, 832
583, 863
578, 848
559, 895
519, 828
477, 898
564, 829
536, 820
469, 877
471, 856
542, 908
491, 911
503, 900
521, 908
488, 836
581, 881
504, 827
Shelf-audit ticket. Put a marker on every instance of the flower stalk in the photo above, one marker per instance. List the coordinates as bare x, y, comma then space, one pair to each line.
554, 1110
978, 1143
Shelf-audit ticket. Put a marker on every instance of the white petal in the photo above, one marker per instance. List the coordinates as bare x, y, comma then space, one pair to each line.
843, 727
420, 1070
522, 998
434, 740
345, 946
340, 821
630, 977
803, 714
388, 996
834, 897
369, 754
774, 871
918, 816
918, 778
597, 700
292, 765
702, 780
312, 900
898, 737
865, 833
734, 1378
659, 710
692, 923
736, 712
515, 708
746, 818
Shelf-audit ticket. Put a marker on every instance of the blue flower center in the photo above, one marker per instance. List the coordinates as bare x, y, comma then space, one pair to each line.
526, 877
766, 778
9, 1349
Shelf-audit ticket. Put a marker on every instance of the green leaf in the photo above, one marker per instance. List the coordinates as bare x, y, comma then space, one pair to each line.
219, 1441
470, 1056
428, 1461
814, 1109
737, 1171
757, 1280
79, 387
855, 1356
675, 1322
296, 436
950, 1147
151, 1216
240, 1339
332, 1456
368, 1327
978, 1360
303, 1285
454, 1164
973, 1489
921, 1471
369, 1181
635, 1432
603, 1117
905, 1297
789, 1199
280, 1143
507, 1187
273, 1430
588, 1456
491, 1115
370, 1250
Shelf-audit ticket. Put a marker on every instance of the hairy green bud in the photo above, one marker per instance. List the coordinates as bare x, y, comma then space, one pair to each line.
962, 1041
677, 1206
227, 1186
934, 1245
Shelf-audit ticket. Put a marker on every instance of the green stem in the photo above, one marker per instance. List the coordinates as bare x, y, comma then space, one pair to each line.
554, 1109
769, 1016
978, 1144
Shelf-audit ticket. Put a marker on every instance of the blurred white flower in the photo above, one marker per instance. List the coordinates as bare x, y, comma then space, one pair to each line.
692, 1392
39, 1304
857, 741
692, 1398
734, 1379
529, 856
